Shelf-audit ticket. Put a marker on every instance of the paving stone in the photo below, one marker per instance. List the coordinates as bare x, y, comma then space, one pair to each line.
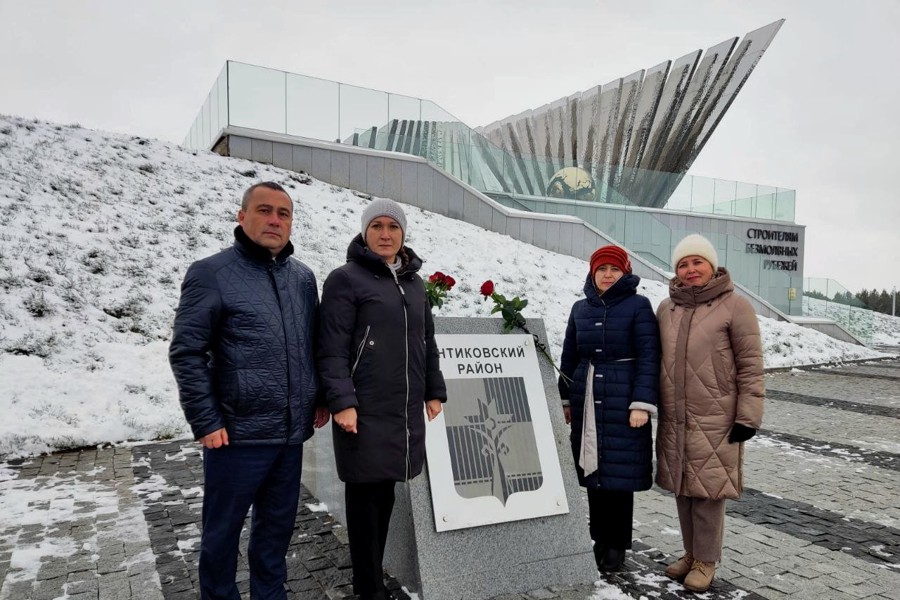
110, 566
782, 584
52, 569
859, 590
744, 582
302, 584
145, 589
48, 589
114, 589
179, 585
78, 586
772, 594
21, 590
812, 592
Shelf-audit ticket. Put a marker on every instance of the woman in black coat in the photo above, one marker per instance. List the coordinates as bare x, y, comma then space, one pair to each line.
609, 386
378, 364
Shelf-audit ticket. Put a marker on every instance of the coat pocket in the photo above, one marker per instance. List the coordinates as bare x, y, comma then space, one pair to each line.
724, 383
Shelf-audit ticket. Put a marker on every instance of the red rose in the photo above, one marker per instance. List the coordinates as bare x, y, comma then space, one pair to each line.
487, 288
449, 282
437, 277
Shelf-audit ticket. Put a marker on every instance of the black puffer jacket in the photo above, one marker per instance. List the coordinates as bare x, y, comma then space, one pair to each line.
242, 346
377, 353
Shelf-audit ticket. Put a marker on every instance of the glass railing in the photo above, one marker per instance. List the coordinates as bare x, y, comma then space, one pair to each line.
271, 100
213, 115
733, 198
829, 299
638, 230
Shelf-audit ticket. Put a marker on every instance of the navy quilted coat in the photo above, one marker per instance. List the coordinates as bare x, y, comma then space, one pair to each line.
377, 353
242, 346
617, 331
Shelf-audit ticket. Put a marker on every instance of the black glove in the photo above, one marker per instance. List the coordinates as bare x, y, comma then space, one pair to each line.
740, 433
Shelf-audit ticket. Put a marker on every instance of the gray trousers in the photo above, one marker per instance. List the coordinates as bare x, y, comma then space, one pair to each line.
702, 526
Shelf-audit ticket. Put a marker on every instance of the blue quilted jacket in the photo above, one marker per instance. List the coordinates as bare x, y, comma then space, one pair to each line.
618, 333
242, 346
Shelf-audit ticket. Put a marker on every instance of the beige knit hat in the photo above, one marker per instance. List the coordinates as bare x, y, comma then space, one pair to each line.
695, 245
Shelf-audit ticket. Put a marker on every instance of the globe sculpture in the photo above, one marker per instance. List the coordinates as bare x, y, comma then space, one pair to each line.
573, 183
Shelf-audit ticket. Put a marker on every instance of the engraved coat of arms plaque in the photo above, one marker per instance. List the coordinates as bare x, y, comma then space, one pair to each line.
492, 456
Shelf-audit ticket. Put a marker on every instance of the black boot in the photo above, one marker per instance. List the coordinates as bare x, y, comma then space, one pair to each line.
613, 560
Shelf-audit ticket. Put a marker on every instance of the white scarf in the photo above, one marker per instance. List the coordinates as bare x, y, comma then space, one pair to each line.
587, 457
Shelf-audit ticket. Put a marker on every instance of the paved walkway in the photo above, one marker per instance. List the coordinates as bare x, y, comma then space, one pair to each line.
820, 518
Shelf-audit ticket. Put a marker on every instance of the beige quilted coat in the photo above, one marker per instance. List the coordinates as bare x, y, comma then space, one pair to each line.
711, 378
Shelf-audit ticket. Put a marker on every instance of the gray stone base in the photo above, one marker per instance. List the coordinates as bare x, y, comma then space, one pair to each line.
479, 562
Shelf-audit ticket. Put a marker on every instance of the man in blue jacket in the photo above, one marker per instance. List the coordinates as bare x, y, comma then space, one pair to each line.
242, 355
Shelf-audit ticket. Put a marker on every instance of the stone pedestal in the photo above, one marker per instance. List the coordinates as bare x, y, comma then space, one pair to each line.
478, 562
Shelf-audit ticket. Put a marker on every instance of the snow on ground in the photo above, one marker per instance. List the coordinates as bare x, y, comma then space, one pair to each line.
99, 229
48, 510
606, 591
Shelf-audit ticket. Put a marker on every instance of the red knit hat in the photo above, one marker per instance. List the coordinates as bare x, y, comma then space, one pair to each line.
612, 255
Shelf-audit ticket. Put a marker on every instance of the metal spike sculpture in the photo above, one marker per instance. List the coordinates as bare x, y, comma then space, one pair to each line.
629, 141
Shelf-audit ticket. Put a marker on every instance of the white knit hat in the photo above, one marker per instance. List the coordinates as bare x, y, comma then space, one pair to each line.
695, 245
382, 207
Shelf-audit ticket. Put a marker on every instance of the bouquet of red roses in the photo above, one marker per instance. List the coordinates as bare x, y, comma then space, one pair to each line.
436, 288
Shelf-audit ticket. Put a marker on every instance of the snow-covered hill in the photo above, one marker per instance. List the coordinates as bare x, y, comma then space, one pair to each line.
873, 327
99, 229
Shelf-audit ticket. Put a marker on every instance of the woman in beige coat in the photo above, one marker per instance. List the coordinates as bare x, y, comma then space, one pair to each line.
711, 401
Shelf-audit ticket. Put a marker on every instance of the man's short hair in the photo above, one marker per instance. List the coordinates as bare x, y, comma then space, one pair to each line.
245, 199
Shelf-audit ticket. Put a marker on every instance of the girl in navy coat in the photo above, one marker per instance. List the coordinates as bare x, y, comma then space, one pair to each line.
609, 387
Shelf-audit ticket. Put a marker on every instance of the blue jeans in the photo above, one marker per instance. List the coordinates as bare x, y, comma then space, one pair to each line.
236, 477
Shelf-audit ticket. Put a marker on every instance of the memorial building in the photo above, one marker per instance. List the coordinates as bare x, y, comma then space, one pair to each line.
615, 157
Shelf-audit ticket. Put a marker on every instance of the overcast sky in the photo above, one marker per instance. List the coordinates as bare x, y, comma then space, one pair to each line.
819, 114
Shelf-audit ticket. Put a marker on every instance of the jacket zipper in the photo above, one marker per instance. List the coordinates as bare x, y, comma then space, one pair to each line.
288, 416
405, 368
360, 349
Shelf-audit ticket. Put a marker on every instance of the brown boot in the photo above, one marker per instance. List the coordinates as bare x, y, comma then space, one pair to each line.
681, 567
700, 577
